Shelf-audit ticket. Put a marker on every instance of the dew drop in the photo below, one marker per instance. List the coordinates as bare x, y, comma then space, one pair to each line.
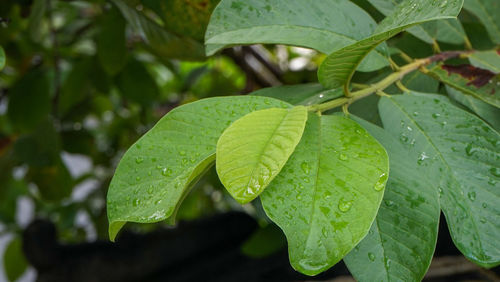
344, 205
138, 178
305, 167
482, 220
166, 171
182, 153
151, 189
139, 160
470, 150
436, 115
485, 205
343, 157
379, 186
471, 196
371, 256
389, 203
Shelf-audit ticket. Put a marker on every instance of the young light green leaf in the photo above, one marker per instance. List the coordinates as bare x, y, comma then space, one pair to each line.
111, 42
466, 150
401, 241
477, 82
487, 12
161, 42
489, 60
154, 174
2, 58
448, 31
337, 69
326, 25
486, 111
14, 262
300, 94
254, 149
328, 193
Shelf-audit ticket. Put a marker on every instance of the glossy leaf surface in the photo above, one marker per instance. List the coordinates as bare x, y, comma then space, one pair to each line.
401, 241
326, 25
328, 193
487, 11
254, 149
466, 151
477, 82
338, 68
489, 60
449, 31
486, 111
154, 174
300, 94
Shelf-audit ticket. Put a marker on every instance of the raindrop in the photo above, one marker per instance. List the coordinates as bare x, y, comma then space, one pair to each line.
151, 189
389, 203
136, 202
470, 150
423, 156
482, 220
166, 171
138, 178
472, 196
344, 205
371, 256
305, 167
379, 186
182, 153
485, 205
436, 115
342, 157
495, 171
139, 160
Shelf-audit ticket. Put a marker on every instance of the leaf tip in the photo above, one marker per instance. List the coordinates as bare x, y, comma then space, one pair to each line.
114, 228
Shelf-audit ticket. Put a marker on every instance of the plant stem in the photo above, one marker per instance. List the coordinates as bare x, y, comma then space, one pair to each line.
381, 85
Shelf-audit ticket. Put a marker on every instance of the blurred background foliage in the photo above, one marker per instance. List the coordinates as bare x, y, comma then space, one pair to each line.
83, 80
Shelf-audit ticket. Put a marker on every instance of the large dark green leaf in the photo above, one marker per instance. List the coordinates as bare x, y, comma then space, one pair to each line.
154, 175
466, 152
338, 68
484, 110
29, 100
137, 84
449, 31
111, 42
161, 42
487, 11
489, 60
401, 241
477, 82
328, 193
254, 149
300, 94
326, 25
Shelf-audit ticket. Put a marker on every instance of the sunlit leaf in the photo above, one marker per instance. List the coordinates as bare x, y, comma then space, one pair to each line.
14, 262
326, 25
254, 149
328, 193
155, 174
337, 69
466, 154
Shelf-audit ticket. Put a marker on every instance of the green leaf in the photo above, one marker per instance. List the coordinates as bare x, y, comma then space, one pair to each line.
35, 25
2, 58
448, 31
486, 111
154, 174
487, 12
111, 42
466, 152
14, 262
76, 87
254, 149
479, 83
489, 60
137, 84
161, 42
328, 193
337, 69
300, 94
29, 100
326, 25
185, 17
264, 242
401, 241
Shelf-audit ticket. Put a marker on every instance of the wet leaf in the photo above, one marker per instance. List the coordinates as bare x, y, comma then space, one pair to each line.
326, 25
328, 193
401, 241
466, 152
155, 173
480, 83
254, 149
337, 69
